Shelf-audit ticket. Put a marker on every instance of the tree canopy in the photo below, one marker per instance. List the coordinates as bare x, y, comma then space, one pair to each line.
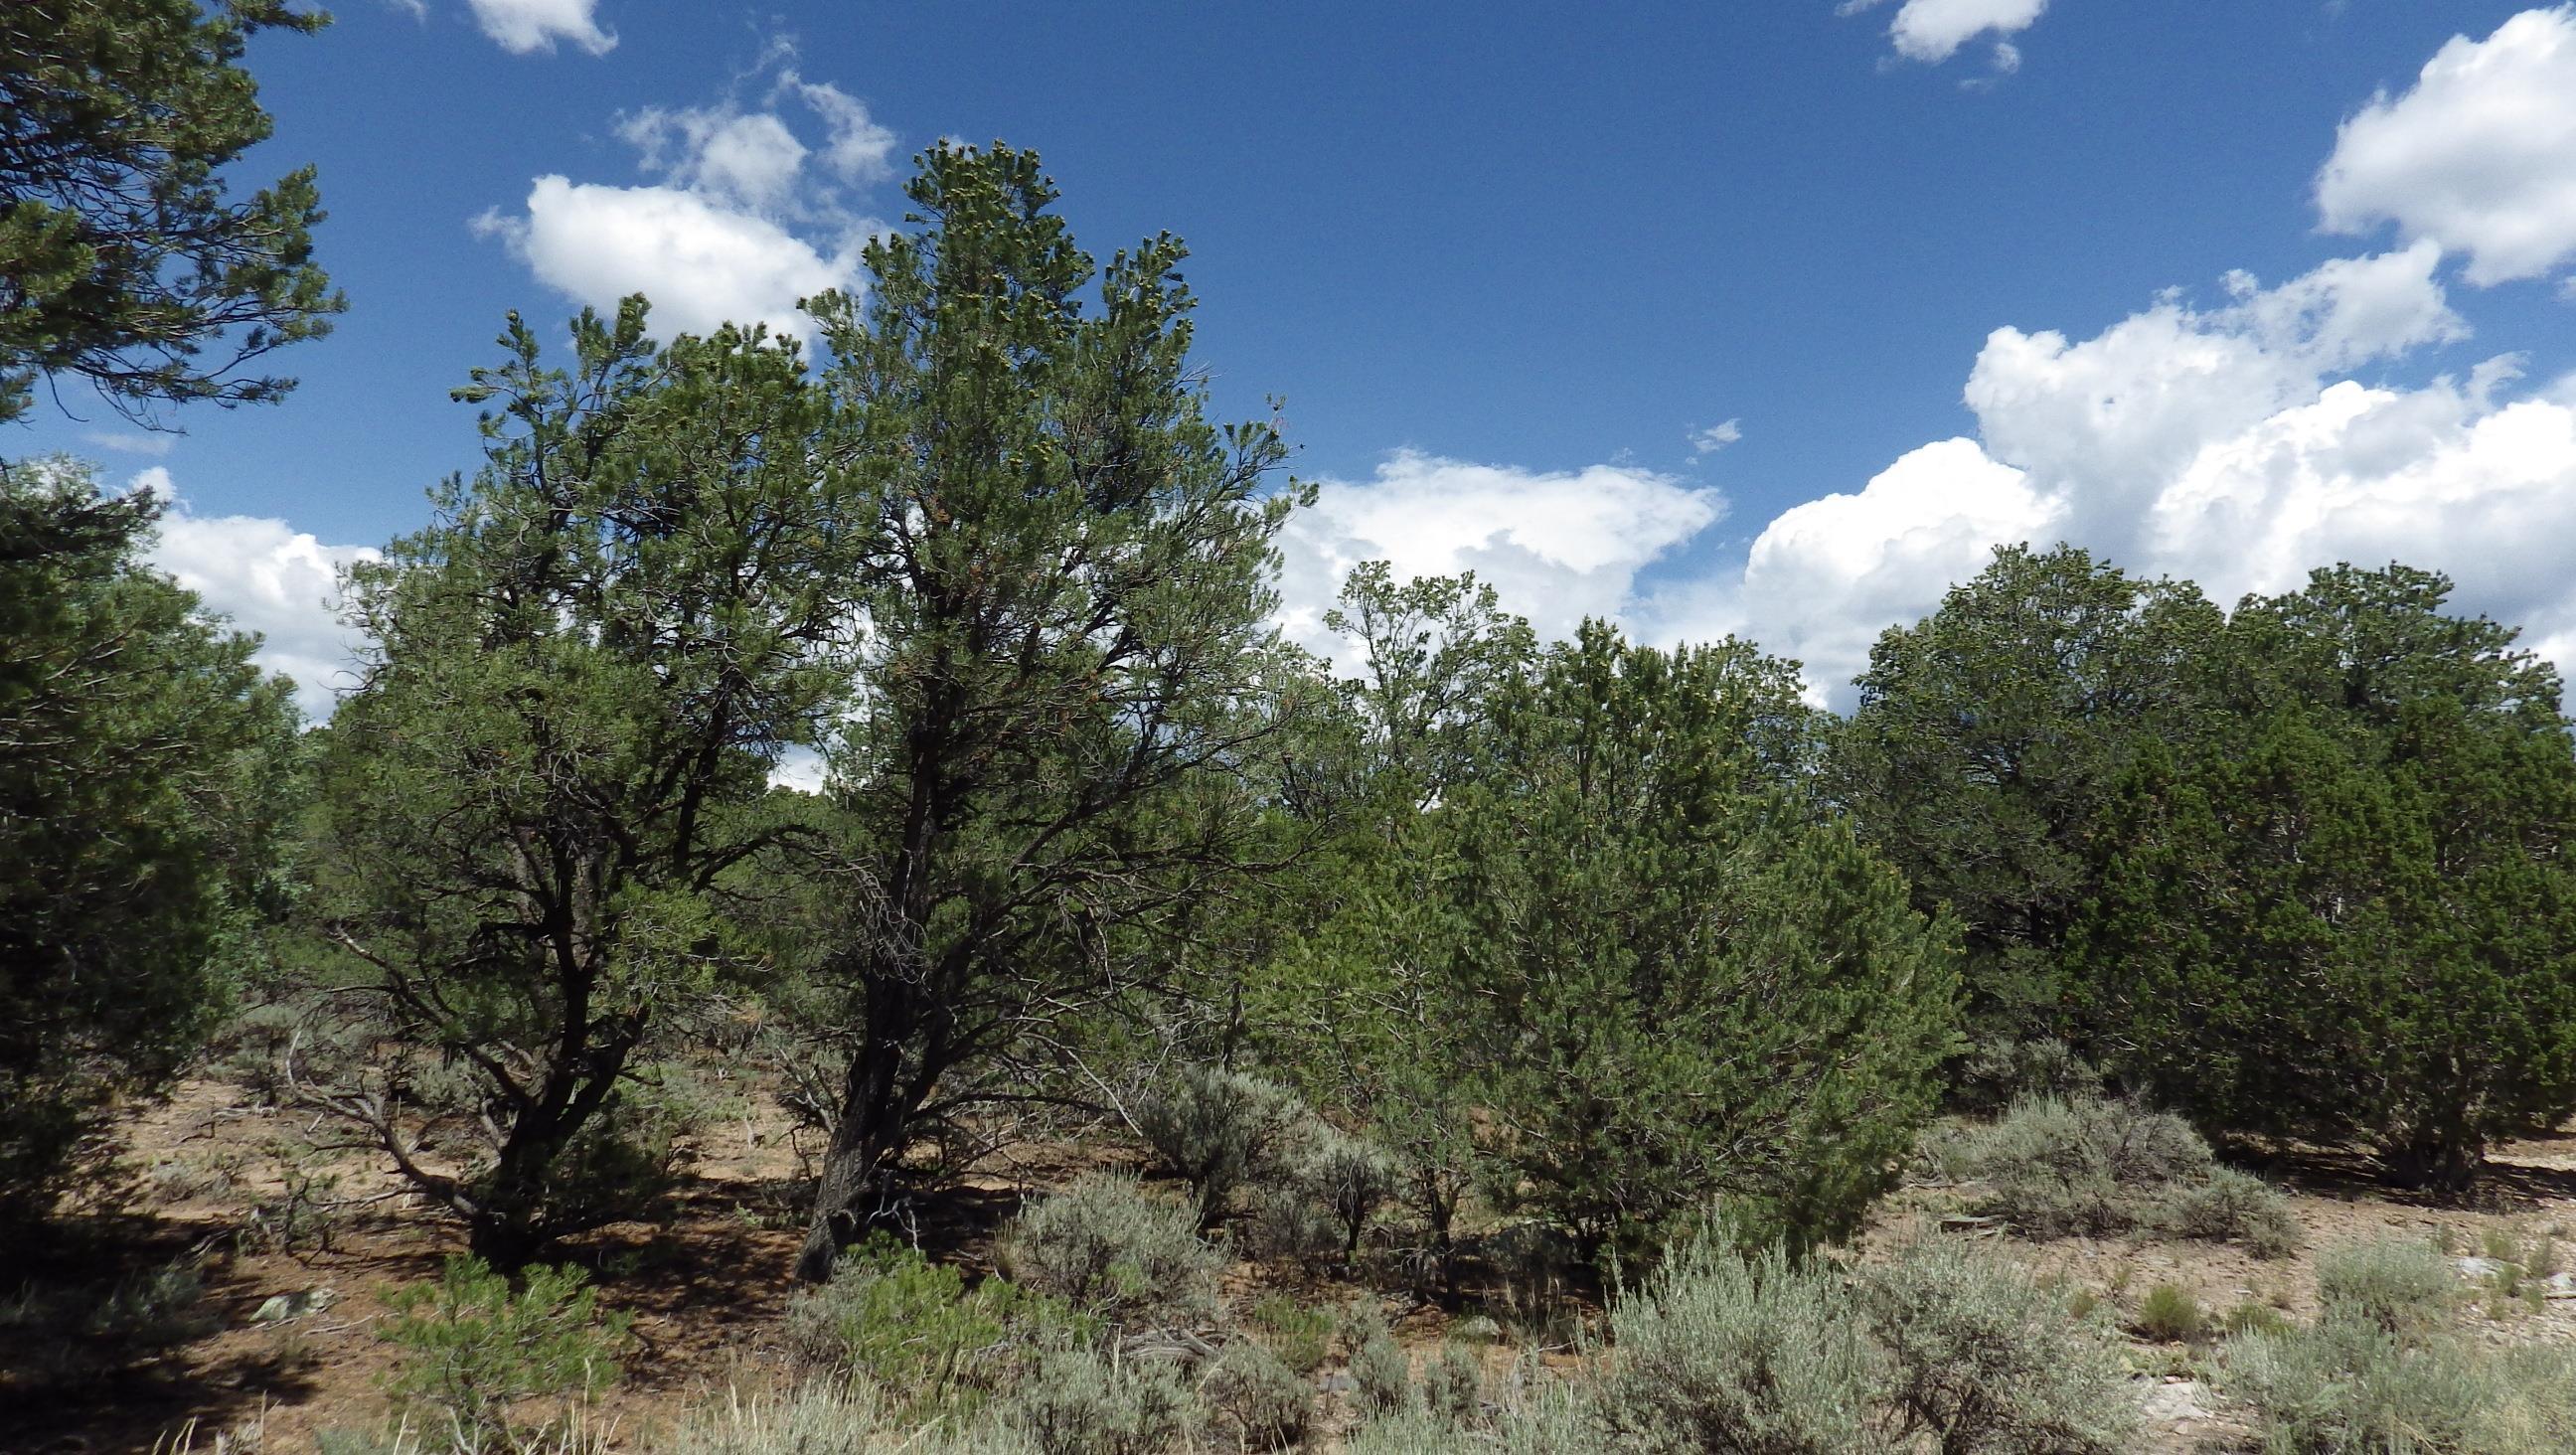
127, 258
146, 773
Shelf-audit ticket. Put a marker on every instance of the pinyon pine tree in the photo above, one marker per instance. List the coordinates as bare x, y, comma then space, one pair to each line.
1674, 982
1071, 692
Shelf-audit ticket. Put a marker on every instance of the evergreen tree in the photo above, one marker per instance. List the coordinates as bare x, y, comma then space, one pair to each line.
2346, 911
1071, 702
1357, 1004
1674, 982
146, 767
122, 259
1990, 735
538, 803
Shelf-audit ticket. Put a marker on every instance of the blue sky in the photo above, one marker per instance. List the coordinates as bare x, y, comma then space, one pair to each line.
1503, 261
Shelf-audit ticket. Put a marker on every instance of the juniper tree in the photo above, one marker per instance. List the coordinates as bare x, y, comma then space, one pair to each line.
146, 769
2345, 911
1988, 738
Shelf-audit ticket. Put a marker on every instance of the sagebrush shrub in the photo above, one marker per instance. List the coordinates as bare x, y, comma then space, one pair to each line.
1453, 1384
1560, 1419
819, 1419
164, 1304
2397, 1286
1088, 1401
1980, 1357
1759, 1356
2228, 1204
1381, 1377
914, 1329
1268, 1403
2055, 1166
1529, 1262
1218, 1130
471, 1346
2350, 1385
1352, 1179
2003, 1071
1109, 1249
1289, 1226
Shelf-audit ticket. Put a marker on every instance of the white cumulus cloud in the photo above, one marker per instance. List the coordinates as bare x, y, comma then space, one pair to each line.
523, 27
265, 576
1556, 546
746, 214
2479, 155
700, 262
1933, 30
2222, 445
1824, 578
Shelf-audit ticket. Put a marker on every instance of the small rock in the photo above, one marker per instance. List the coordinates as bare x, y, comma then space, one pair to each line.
2474, 1266
2177, 1401
284, 1306
2560, 1285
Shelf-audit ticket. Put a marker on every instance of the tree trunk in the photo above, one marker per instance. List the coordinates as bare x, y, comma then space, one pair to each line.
505, 1231
2447, 1165
857, 1170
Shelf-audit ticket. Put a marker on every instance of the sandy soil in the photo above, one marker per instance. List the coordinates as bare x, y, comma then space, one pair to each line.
706, 1280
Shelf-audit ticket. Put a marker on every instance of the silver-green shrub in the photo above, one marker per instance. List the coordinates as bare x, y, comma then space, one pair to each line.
1980, 1358
2055, 1166
2396, 1286
1108, 1248
1218, 1130
2229, 1204
1750, 1356
1081, 1401
1268, 1404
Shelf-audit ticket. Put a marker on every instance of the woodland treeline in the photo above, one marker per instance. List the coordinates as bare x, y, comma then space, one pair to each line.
1596, 932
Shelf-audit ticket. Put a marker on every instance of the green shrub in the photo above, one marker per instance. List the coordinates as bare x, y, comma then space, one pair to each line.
1754, 1355
914, 1330
1453, 1384
471, 1347
2397, 1286
2253, 1317
1352, 1180
2169, 1314
1268, 1403
2229, 1205
1299, 1335
1083, 1401
2350, 1385
1108, 1249
1381, 1377
1218, 1130
2054, 1166
1289, 1226
1977, 1355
